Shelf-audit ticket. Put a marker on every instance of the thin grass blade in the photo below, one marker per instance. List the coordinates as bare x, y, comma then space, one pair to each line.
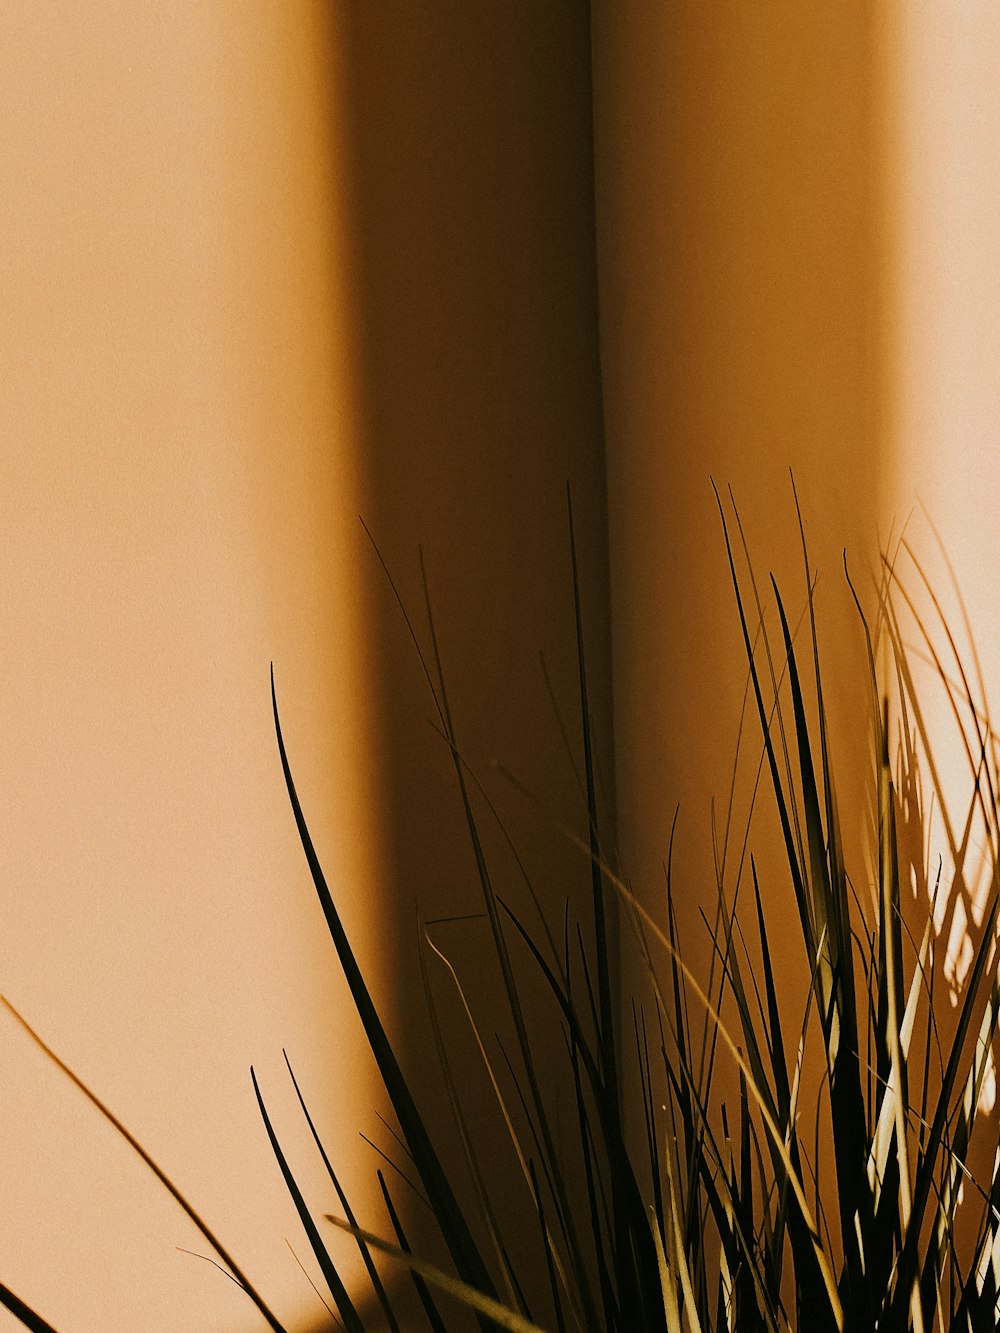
241, 1278
475, 1300
23, 1312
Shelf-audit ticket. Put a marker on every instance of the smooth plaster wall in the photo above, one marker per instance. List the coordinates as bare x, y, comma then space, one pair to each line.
944, 294
178, 508
242, 258
267, 269
943, 412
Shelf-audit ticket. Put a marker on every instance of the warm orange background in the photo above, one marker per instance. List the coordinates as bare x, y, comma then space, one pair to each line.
268, 267
178, 508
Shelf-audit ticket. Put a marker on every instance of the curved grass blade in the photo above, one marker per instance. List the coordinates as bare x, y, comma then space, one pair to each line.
319, 1295
25, 1313
775, 1133
786, 815
333, 1279
241, 1279
479, 1275
908, 1269
603, 942
506, 968
447, 1211
837, 1011
550, 1270
782, 1106
376, 1281
827, 1287
420, 1286
479, 1183
475, 1300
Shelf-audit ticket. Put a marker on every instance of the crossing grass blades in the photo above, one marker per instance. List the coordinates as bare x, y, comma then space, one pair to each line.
751, 1215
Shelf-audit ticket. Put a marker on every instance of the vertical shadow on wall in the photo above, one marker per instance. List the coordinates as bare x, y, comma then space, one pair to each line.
473, 232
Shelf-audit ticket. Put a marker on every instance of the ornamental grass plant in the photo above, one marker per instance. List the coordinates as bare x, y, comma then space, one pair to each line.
719, 1167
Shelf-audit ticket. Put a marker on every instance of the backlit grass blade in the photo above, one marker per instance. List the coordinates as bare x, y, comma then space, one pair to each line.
487, 1306
908, 1268
707, 1163
961, 1138
503, 958
668, 1290
759, 1097
782, 806
475, 1170
882, 1140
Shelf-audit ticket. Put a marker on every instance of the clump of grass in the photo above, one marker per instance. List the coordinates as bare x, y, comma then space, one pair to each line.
744, 1214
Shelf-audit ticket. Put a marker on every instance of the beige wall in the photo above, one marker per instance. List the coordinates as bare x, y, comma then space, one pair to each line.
944, 302
944, 418
264, 271
177, 508
243, 247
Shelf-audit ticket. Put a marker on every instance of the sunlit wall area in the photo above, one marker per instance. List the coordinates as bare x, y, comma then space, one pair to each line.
178, 508
944, 428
